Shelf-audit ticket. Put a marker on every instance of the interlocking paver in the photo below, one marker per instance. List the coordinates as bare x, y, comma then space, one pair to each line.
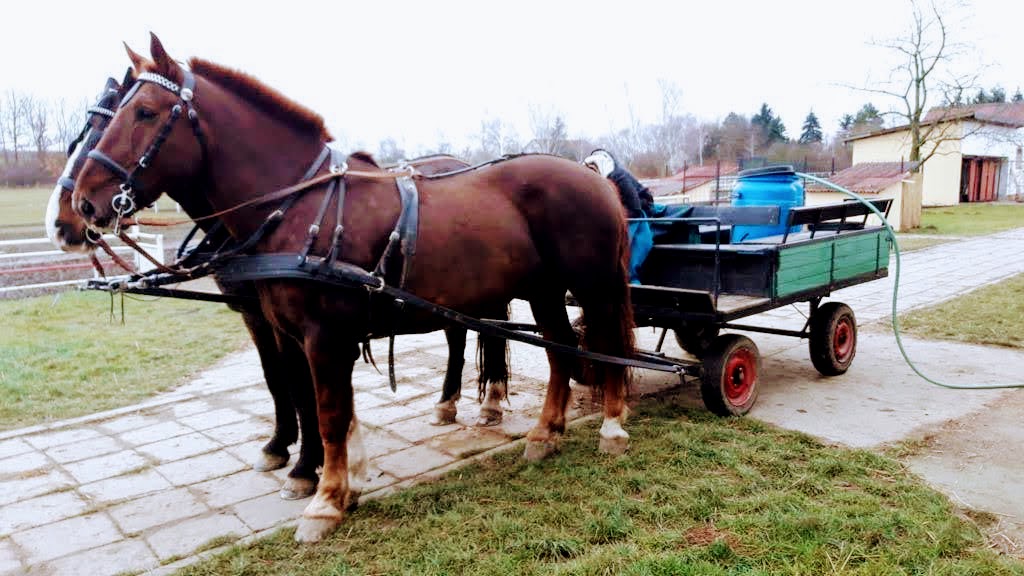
412, 461
129, 422
125, 556
185, 537
106, 466
41, 510
85, 449
236, 488
239, 432
154, 433
66, 537
13, 447
48, 439
22, 464
212, 419
200, 468
125, 487
156, 509
467, 442
10, 563
268, 511
36, 484
179, 447
419, 428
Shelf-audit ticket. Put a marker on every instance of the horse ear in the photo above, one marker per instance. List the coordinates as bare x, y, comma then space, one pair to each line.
137, 61
156, 50
129, 77
111, 85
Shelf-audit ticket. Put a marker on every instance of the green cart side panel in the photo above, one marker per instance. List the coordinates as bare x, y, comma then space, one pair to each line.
827, 259
855, 256
803, 267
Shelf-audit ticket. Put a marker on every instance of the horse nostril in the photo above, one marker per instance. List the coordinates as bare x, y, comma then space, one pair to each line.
86, 208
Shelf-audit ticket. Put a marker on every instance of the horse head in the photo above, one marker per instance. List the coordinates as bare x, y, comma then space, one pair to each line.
124, 172
66, 229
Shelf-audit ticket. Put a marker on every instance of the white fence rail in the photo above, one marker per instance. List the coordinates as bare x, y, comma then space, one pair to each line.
151, 243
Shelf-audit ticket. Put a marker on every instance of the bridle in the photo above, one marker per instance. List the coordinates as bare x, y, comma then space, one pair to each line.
123, 203
89, 136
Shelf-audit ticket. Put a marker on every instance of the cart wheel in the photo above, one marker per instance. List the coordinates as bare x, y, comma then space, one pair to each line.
695, 338
833, 339
732, 370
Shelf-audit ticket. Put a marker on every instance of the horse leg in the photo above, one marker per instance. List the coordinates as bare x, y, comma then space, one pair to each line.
544, 438
609, 331
302, 478
274, 454
446, 408
493, 381
331, 362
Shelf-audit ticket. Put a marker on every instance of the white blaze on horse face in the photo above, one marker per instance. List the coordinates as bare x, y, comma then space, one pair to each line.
53, 205
52, 209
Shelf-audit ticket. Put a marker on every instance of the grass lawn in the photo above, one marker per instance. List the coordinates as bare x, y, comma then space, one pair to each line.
992, 315
61, 356
22, 211
971, 219
695, 494
919, 242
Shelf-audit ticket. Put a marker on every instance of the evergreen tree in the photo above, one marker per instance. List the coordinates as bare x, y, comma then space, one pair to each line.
770, 126
811, 130
1017, 96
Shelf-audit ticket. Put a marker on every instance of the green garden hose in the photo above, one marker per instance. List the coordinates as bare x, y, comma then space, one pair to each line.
895, 292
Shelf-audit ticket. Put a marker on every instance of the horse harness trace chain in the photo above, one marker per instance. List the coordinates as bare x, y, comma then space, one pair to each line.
232, 261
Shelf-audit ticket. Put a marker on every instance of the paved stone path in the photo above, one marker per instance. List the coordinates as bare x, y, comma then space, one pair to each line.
144, 487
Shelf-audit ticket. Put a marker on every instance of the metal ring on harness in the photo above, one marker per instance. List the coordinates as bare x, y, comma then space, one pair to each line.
379, 287
123, 203
339, 168
93, 235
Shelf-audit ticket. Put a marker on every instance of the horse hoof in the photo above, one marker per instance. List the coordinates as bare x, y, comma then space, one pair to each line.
267, 462
315, 529
297, 488
443, 415
353, 500
539, 450
615, 445
488, 417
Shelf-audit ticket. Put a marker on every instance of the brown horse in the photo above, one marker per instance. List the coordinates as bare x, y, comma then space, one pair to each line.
282, 358
530, 227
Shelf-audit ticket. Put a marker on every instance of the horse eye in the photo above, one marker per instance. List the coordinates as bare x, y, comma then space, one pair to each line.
144, 114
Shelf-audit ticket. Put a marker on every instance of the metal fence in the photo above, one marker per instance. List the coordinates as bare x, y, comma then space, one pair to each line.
22, 267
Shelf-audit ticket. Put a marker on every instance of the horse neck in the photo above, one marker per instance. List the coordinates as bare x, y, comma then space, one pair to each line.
261, 155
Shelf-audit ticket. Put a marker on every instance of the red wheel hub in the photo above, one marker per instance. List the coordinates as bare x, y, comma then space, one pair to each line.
843, 339
739, 377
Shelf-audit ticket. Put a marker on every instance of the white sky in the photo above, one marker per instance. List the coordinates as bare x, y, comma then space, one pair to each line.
426, 71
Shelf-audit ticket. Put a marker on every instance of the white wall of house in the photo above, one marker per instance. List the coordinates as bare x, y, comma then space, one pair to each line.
941, 172
817, 197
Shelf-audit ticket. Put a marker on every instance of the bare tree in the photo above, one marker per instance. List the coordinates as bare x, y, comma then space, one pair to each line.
549, 131
15, 121
67, 121
926, 50
38, 113
3, 134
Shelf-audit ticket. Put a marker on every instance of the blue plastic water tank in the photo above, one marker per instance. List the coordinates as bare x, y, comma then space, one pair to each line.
771, 186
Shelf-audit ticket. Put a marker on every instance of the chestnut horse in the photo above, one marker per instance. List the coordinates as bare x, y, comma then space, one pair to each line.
530, 227
279, 358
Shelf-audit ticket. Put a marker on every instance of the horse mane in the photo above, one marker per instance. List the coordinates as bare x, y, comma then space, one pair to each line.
267, 99
365, 156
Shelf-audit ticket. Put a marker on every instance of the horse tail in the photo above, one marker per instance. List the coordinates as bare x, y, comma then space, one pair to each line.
608, 315
492, 360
